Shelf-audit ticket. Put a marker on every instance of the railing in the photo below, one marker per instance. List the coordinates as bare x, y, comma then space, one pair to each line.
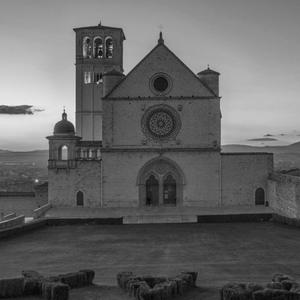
62, 164
84, 153
9, 216
20, 220
39, 212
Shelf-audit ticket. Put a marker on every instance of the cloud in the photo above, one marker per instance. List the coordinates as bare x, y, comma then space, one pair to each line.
19, 110
262, 140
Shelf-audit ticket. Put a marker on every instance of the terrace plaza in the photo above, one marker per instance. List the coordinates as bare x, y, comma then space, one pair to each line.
220, 252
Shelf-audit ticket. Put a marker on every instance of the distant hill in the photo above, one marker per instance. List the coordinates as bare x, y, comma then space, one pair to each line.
39, 158
285, 157
294, 148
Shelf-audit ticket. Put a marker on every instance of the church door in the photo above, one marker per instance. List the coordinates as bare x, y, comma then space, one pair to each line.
79, 200
169, 191
152, 191
259, 196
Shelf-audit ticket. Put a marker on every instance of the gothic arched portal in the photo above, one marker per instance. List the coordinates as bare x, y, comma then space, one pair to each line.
160, 183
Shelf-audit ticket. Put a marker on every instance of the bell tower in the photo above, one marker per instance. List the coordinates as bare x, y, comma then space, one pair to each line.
99, 49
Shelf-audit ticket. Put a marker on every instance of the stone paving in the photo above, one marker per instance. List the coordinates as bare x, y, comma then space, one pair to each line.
220, 252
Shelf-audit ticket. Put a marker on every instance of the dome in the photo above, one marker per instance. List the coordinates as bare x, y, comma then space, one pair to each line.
64, 126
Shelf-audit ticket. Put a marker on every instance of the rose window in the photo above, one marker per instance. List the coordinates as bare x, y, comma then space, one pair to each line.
161, 122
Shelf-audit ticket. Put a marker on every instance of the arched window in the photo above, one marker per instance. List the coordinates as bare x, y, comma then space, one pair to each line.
98, 78
98, 47
169, 190
63, 152
87, 47
109, 47
98, 153
79, 198
87, 77
91, 153
259, 196
81, 153
152, 191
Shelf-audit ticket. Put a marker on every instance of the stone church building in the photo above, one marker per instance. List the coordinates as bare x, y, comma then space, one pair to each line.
150, 138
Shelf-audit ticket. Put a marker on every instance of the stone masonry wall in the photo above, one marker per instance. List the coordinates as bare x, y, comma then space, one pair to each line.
65, 183
21, 205
284, 194
242, 174
200, 123
200, 169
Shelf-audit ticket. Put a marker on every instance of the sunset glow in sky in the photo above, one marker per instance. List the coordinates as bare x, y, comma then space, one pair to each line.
255, 45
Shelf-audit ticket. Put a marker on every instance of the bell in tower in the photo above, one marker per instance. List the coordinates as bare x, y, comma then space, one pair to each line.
99, 49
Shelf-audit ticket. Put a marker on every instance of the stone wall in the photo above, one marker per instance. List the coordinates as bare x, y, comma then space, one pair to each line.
64, 184
16, 221
284, 194
242, 175
41, 193
197, 107
199, 118
19, 203
121, 169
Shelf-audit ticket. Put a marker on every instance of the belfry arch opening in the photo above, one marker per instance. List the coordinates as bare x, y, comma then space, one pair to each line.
109, 47
87, 47
160, 183
98, 47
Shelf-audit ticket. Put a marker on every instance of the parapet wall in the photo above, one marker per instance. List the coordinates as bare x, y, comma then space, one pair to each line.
284, 194
19, 203
242, 175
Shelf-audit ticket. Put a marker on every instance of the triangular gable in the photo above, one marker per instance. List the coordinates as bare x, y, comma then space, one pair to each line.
160, 60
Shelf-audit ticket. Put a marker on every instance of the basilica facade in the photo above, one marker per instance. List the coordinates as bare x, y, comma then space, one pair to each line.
150, 138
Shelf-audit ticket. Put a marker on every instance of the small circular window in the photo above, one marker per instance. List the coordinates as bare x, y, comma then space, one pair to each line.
160, 84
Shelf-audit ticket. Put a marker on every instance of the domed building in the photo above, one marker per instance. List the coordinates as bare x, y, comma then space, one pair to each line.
148, 139
64, 127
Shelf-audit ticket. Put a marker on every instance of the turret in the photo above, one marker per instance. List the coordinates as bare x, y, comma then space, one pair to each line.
62, 144
110, 80
211, 79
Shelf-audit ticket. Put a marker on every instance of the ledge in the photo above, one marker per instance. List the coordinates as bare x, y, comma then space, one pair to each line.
157, 98
246, 153
160, 150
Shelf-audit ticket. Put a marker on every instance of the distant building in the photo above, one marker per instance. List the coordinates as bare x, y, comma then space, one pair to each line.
148, 138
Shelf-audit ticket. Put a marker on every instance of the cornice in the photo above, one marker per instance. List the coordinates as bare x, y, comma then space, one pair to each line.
162, 150
100, 112
247, 153
156, 98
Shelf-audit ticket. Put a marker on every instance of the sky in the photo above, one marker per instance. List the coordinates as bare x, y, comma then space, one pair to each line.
255, 45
